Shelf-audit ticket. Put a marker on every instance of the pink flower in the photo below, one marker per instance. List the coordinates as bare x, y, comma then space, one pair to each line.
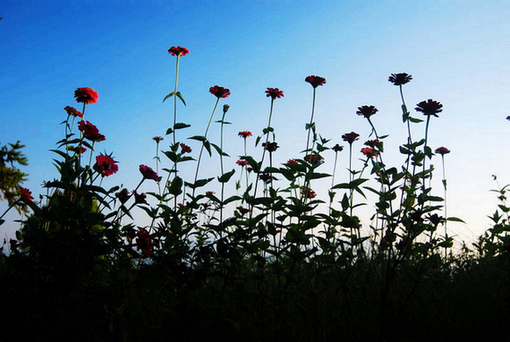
244, 134
315, 81
73, 111
86, 95
178, 51
185, 148
219, 92
274, 93
90, 131
105, 165
148, 173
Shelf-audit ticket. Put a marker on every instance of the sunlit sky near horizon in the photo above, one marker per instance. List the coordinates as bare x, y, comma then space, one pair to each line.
456, 51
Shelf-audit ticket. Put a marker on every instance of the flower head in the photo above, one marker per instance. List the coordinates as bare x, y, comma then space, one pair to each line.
143, 242
26, 195
157, 138
315, 81
73, 111
366, 111
442, 150
369, 152
266, 177
178, 51
185, 148
429, 107
308, 193
244, 134
105, 165
242, 163
350, 137
400, 79
291, 161
274, 93
77, 149
86, 95
337, 148
90, 131
313, 159
373, 143
123, 195
226, 107
148, 173
219, 92
140, 198
243, 210
270, 146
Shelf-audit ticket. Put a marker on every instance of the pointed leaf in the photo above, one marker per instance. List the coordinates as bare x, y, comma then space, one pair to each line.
179, 95
169, 96
226, 176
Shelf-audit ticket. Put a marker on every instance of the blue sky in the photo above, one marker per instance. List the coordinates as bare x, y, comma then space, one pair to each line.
457, 52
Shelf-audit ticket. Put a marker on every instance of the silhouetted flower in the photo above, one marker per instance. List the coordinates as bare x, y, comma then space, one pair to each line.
315, 81
337, 148
435, 219
429, 107
140, 198
270, 146
90, 131
26, 195
245, 134
442, 150
243, 210
105, 165
225, 108
123, 195
400, 79
219, 92
266, 177
350, 137
242, 163
373, 143
178, 51
73, 111
148, 173
185, 148
86, 95
77, 149
157, 138
274, 93
143, 242
366, 111
313, 159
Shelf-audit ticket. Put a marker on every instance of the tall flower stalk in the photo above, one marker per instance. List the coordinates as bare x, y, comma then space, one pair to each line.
176, 51
442, 151
315, 81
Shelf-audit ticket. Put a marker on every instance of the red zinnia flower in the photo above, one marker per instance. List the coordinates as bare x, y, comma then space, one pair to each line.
315, 81
219, 92
366, 111
369, 152
157, 138
123, 195
313, 158
148, 173
90, 131
308, 193
274, 93
429, 107
26, 195
143, 242
337, 148
243, 210
178, 51
105, 165
86, 95
209, 192
400, 79
373, 143
244, 134
350, 137
242, 163
442, 150
73, 111
185, 148
140, 198
291, 161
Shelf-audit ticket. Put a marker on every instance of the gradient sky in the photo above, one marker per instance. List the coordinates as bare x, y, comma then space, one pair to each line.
456, 51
